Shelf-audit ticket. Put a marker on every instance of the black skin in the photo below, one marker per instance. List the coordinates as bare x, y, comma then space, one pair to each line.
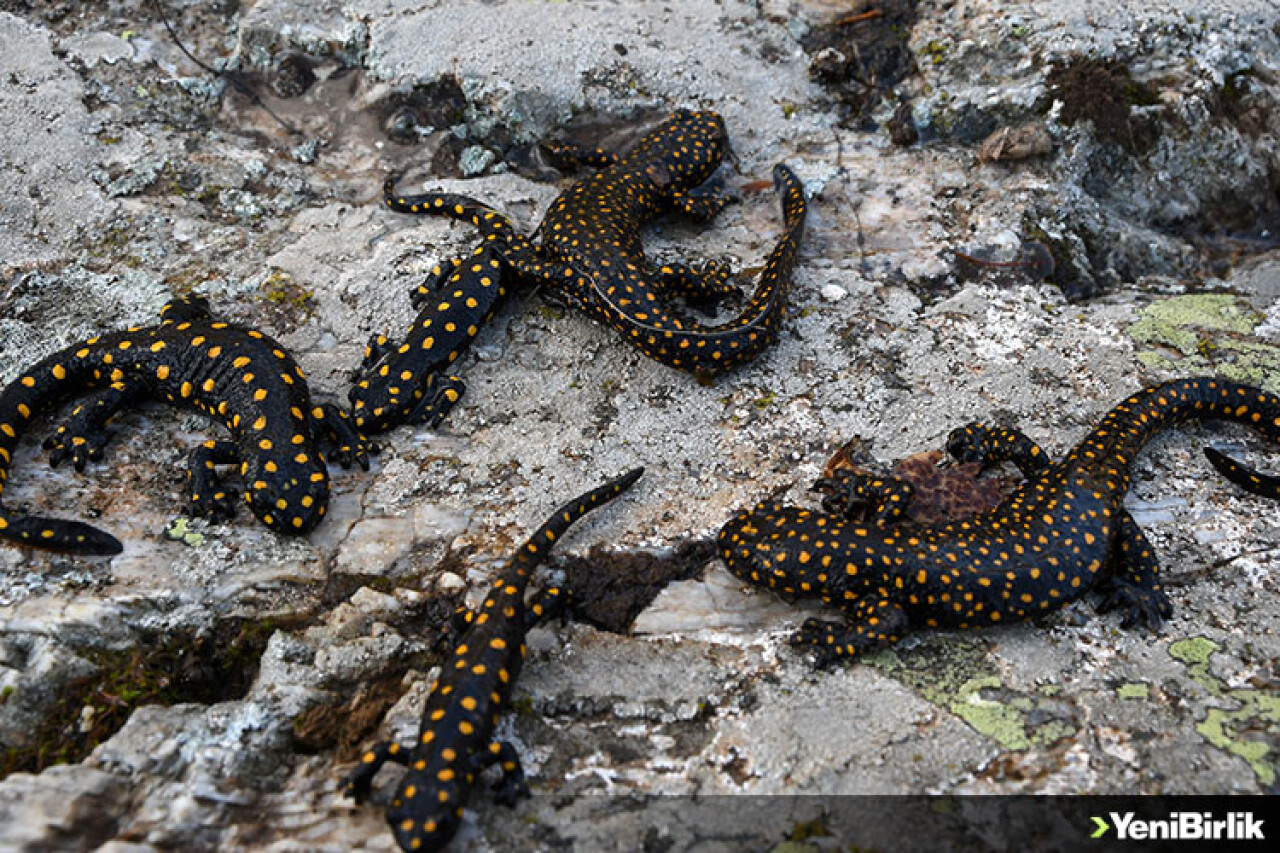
237, 376
409, 382
1063, 533
456, 741
589, 256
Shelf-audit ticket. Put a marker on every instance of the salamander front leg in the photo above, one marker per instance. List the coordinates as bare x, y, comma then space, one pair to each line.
1134, 582
852, 494
439, 396
84, 436
359, 782
208, 496
872, 623
990, 445
569, 156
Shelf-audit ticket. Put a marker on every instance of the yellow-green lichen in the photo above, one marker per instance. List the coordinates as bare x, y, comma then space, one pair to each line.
959, 677
1136, 690
1207, 332
1243, 731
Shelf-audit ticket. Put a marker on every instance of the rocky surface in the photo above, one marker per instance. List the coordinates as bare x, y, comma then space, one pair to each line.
1061, 231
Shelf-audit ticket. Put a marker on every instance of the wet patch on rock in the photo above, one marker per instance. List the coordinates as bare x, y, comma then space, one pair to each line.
610, 588
943, 490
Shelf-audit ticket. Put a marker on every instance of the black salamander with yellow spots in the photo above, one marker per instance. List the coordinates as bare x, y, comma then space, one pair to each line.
1062, 533
589, 255
406, 382
456, 741
235, 375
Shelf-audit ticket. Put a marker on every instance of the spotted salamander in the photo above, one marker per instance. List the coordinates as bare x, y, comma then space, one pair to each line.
589, 255
456, 742
1062, 533
406, 383
235, 375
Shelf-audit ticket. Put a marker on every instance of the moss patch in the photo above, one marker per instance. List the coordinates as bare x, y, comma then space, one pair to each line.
1103, 92
161, 670
1137, 691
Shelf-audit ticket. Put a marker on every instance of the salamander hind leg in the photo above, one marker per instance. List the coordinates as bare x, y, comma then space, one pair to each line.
990, 445
440, 275
872, 622
703, 284
208, 496
550, 603
375, 350
853, 494
359, 782
512, 786
1133, 585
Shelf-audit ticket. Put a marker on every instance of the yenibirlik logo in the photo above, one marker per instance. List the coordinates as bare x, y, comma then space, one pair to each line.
1182, 826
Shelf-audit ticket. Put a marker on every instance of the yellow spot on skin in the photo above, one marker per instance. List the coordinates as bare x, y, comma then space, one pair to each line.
162, 372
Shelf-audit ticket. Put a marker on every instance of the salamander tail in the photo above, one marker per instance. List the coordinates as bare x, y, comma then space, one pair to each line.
555, 526
1246, 478
57, 534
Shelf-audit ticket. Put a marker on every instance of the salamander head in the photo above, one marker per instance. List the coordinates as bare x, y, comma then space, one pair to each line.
287, 488
682, 152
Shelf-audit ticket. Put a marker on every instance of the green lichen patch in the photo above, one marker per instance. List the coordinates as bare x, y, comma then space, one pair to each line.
287, 303
1207, 332
1134, 691
959, 678
1251, 729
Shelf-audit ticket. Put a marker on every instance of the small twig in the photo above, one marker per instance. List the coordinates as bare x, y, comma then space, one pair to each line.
1184, 578
858, 17
231, 77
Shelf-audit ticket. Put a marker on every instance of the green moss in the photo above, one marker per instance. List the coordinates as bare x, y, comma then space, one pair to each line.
816, 828
160, 670
280, 289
